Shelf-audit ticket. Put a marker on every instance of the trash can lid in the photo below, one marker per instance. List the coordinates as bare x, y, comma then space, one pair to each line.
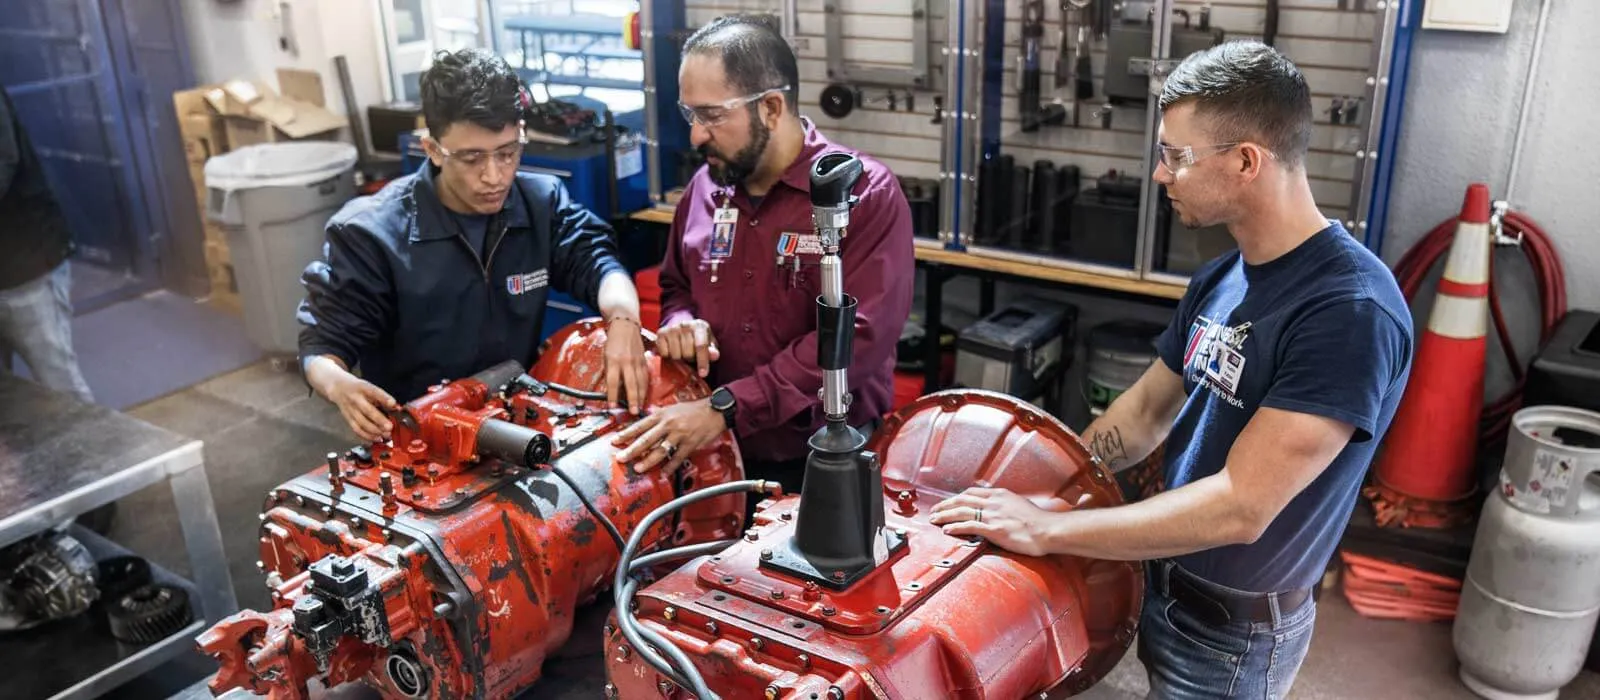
290, 164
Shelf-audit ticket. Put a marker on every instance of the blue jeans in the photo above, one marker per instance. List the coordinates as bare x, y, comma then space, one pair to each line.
36, 323
1187, 657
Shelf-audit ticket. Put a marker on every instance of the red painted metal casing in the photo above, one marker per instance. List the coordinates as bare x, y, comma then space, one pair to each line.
944, 618
470, 567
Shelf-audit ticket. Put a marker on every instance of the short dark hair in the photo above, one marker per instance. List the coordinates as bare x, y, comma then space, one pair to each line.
753, 52
1246, 91
470, 85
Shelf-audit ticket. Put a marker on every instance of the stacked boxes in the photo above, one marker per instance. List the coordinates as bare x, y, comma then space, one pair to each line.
215, 119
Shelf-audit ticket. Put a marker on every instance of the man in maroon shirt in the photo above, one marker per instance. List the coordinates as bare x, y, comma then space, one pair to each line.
740, 281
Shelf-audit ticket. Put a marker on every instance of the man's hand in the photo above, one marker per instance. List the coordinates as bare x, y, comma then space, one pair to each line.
1009, 521
361, 402
663, 436
690, 341
626, 368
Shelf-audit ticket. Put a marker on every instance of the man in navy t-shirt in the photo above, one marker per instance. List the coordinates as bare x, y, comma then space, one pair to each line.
1278, 377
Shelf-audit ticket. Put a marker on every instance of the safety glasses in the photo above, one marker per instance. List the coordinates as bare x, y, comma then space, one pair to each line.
1177, 157
505, 156
715, 114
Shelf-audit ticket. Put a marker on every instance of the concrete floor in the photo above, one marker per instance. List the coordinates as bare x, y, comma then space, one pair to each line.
262, 426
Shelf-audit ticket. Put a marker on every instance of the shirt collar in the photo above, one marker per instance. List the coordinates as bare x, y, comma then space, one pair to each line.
798, 175
432, 221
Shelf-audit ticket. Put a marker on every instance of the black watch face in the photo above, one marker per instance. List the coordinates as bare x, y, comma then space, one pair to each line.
722, 399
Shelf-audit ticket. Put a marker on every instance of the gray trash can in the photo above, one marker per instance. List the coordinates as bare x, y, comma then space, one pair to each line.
272, 201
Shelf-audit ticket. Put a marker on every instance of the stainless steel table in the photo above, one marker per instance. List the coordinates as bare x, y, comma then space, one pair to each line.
59, 458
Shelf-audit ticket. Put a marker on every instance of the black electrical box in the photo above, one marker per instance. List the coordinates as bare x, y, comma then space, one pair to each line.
1018, 350
1566, 372
1128, 66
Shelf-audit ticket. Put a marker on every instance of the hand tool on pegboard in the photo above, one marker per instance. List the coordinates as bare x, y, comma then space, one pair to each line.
1028, 64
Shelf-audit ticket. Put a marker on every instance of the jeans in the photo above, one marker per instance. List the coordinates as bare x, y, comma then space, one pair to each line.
36, 322
1187, 657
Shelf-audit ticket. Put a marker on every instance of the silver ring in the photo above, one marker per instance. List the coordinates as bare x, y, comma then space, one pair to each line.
977, 515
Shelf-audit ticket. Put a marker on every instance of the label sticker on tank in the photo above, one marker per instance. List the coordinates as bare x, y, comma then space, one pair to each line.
1551, 478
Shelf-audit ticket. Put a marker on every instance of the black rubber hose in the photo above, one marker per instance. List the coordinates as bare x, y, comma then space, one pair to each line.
623, 585
616, 536
576, 393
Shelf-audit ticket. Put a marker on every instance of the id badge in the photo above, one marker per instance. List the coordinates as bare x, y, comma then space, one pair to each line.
1225, 367
723, 223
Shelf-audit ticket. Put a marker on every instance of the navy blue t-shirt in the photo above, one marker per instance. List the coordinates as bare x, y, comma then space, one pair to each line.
1322, 329
476, 228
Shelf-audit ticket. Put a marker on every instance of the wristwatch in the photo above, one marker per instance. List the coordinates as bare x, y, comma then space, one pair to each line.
722, 402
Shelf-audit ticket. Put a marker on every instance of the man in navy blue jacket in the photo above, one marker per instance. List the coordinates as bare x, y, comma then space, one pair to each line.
444, 273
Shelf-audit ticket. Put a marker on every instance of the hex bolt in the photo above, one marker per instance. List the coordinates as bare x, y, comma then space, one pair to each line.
670, 613
812, 592
334, 479
829, 610
664, 686
838, 575
757, 643
608, 629
766, 555
777, 595
772, 692
622, 652
386, 485
712, 629
834, 693
611, 692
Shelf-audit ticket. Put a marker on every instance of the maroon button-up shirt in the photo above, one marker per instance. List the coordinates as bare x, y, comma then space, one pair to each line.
765, 316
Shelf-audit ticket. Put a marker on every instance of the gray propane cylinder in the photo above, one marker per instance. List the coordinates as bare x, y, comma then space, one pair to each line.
1532, 596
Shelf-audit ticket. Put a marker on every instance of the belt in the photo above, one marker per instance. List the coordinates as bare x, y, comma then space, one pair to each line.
1217, 605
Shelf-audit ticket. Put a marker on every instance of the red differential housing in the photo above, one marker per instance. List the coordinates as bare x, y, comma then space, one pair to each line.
936, 616
447, 562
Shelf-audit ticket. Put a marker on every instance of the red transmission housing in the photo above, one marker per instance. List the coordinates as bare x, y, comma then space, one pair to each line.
436, 564
942, 617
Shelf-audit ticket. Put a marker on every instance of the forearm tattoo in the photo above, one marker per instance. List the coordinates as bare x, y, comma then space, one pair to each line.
1108, 446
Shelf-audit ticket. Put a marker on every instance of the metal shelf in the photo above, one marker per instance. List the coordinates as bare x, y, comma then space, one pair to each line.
78, 657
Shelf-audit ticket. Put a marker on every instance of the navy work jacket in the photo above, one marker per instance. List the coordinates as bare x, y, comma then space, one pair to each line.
402, 294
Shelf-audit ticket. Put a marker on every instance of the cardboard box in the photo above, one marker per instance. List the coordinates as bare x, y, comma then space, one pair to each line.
200, 128
219, 118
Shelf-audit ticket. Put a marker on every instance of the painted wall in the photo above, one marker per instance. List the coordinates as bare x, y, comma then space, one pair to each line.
241, 40
1463, 96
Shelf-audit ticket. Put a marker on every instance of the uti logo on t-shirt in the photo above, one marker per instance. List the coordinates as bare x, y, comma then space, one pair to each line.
1214, 357
527, 282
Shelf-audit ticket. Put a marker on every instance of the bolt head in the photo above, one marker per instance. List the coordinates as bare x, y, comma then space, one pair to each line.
838, 575
766, 554
711, 628
670, 613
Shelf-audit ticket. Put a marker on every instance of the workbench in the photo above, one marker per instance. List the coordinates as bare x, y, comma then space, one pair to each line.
940, 265
61, 457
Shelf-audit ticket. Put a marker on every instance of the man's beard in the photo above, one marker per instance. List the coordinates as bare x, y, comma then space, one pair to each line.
742, 165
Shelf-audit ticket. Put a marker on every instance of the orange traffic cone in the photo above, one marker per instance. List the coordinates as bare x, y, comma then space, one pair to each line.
1428, 463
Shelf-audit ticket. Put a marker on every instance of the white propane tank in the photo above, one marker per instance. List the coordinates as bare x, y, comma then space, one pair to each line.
1532, 593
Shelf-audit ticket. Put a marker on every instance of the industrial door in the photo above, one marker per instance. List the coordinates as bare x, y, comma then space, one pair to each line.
92, 81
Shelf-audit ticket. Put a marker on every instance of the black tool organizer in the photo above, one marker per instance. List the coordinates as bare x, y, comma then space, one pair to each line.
1024, 129
1067, 183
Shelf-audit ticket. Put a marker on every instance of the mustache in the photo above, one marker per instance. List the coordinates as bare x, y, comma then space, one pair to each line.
706, 151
